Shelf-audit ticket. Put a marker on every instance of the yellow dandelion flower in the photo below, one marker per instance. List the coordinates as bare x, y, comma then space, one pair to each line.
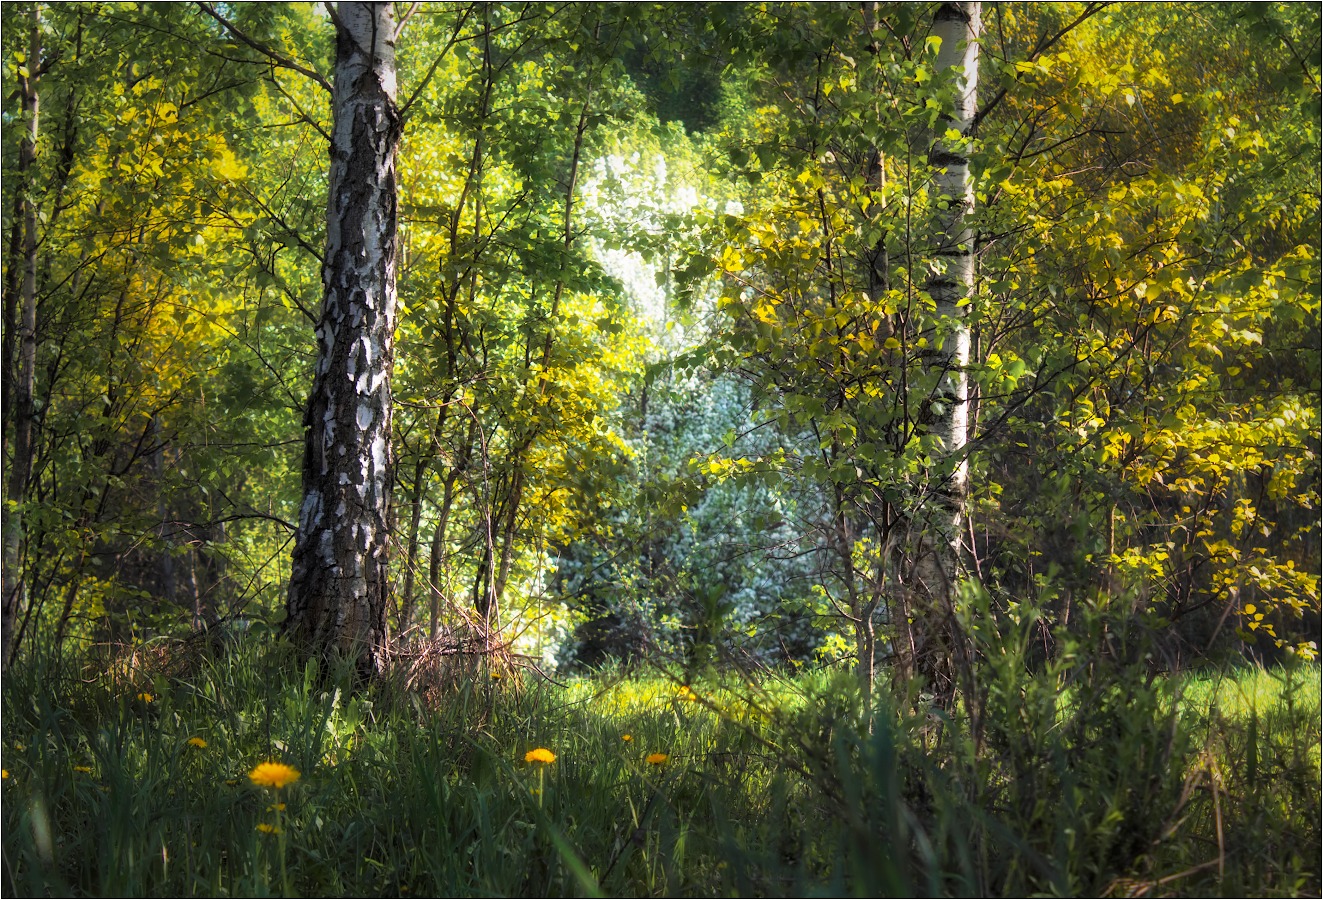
540, 755
273, 775
267, 828
627, 738
276, 807
656, 759
197, 742
86, 770
4, 774
146, 697
686, 694
496, 676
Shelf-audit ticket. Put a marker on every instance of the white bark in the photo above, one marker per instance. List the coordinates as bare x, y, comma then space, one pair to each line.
952, 277
338, 585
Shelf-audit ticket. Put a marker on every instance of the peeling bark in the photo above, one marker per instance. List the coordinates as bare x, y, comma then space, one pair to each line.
339, 584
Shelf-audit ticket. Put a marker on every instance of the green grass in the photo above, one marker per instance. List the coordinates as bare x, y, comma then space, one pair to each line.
783, 787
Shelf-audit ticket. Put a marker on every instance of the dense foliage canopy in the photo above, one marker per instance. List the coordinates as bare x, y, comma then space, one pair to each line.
670, 375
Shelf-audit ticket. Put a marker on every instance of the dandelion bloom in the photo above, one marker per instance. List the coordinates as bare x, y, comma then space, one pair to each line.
276, 807
656, 759
627, 738
197, 742
274, 775
146, 697
4, 774
266, 828
685, 693
540, 755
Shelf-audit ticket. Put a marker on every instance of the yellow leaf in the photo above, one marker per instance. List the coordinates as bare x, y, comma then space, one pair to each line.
228, 167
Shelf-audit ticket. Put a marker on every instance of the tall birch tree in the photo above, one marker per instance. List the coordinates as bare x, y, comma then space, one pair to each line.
937, 646
339, 582
951, 280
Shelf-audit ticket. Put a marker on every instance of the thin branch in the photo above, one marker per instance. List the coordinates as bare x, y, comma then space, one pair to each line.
399, 29
303, 116
1043, 46
239, 517
431, 70
335, 16
277, 58
289, 229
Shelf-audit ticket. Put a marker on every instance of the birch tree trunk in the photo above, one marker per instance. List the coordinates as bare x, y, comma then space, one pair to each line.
24, 412
951, 278
937, 647
339, 587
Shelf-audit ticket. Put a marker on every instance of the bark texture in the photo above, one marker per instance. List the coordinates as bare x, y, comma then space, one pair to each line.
952, 277
937, 648
339, 587
24, 411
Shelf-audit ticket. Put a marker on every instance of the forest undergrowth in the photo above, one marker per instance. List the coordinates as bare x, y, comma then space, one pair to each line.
891, 429
135, 774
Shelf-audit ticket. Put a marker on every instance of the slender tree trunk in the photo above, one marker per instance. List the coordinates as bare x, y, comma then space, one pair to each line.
952, 276
877, 263
437, 556
20, 471
420, 472
14, 266
472, 192
167, 534
339, 583
411, 554
877, 278
509, 528
438, 552
950, 283
490, 603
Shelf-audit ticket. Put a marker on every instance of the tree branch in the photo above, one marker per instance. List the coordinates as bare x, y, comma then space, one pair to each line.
413, 8
303, 115
431, 70
275, 57
1043, 46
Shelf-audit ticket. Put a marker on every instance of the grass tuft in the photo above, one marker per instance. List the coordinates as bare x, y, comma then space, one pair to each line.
1097, 781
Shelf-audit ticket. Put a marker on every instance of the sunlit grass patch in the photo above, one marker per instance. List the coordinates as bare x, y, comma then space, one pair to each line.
1239, 690
622, 786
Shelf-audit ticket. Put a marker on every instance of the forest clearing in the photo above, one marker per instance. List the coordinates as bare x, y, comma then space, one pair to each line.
609, 449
